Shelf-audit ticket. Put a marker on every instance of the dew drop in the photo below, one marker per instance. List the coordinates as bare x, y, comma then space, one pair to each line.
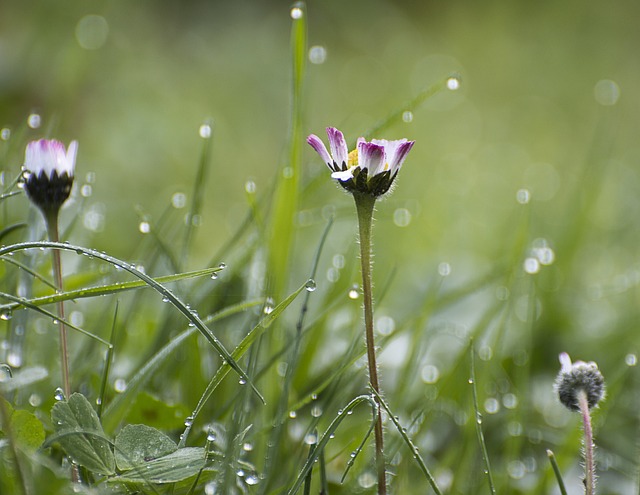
35, 400
86, 190
367, 480
250, 187
211, 436
120, 385
165, 299
510, 401
311, 438
6, 315
407, 116
453, 83
310, 286
385, 325
402, 217
58, 394
210, 488
606, 92
222, 266
179, 200
251, 479
430, 374
338, 261
268, 306
532, 265
491, 405
34, 121
297, 12
316, 411
444, 269
631, 359
242, 381
354, 293
188, 422
293, 414
214, 276
247, 447
523, 196
205, 131
5, 134
144, 227
317, 54
14, 358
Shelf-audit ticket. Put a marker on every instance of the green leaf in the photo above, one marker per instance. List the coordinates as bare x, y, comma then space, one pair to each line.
79, 432
137, 445
178, 466
26, 430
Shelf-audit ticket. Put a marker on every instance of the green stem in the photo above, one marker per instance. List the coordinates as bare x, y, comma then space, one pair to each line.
51, 218
364, 206
589, 467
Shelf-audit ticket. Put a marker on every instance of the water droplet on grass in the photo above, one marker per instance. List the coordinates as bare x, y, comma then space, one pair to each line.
268, 306
407, 116
311, 438
354, 293
250, 187
296, 11
179, 200
188, 422
34, 121
35, 400
402, 217
144, 227
6, 315
317, 54
293, 414
310, 286
531, 265
523, 196
251, 479
631, 359
453, 83
120, 385
214, 276
205, 131
316, 411
86, 191
58, 394
444, 269
430, 373
5, 134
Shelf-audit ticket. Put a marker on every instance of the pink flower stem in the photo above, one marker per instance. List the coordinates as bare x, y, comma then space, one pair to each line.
589, 468
52, 231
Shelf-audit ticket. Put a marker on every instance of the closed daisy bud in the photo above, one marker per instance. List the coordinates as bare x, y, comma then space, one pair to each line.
574, 377
369, 169
51, 169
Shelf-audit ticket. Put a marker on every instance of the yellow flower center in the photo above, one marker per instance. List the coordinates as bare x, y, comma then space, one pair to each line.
353, 158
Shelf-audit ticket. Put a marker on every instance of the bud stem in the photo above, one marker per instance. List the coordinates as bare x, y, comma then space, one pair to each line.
589, 468
51, 219
364, 206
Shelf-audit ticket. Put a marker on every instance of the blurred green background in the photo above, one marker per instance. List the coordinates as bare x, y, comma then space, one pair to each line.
537, 152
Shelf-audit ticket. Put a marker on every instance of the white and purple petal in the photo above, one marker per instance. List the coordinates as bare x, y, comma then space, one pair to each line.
338, 146
370, 157
343, 175
317, 144
397, 152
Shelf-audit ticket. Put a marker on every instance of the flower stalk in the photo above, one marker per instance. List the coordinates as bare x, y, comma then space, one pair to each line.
364, 207
50, 169
367, 172
580, 388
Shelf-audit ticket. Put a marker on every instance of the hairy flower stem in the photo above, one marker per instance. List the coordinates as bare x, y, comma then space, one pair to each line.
51, 218
364, 207
589, 468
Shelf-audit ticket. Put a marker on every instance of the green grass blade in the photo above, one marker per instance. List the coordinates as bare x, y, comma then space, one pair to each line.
161, 289
197, 195
115, 409
342, 414
478, 421
556, 472
411, 445
287, 190
239, 351
104, 289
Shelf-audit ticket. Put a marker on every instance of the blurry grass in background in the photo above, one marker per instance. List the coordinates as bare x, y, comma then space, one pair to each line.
531, 166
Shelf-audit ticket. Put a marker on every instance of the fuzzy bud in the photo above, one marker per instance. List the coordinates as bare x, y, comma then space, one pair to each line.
574, 377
